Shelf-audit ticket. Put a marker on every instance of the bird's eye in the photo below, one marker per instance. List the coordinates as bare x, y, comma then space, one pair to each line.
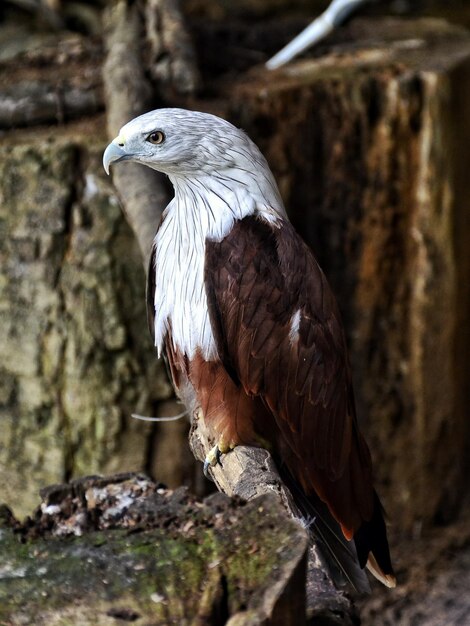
156, 137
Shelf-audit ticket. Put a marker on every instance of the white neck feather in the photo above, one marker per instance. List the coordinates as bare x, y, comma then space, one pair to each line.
216, 200
204, 207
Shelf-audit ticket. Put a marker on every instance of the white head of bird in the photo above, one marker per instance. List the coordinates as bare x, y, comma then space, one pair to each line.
198, 150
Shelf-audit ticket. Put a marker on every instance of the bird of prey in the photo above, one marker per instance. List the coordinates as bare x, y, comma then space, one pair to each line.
250, 328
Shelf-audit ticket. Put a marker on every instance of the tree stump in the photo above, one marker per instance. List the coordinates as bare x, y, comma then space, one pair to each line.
369, 144
75, 362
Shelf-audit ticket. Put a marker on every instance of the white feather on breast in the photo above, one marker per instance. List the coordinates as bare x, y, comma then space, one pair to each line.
180, 299
201, 210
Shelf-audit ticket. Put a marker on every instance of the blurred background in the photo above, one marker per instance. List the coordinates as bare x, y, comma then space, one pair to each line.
368, 135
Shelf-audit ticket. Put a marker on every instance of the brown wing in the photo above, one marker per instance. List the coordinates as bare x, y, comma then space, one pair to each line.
279, 335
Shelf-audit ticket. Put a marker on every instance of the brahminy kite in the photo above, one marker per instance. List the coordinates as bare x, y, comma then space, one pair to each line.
250, 328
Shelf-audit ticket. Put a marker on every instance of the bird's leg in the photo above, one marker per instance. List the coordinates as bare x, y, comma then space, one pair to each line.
214, 454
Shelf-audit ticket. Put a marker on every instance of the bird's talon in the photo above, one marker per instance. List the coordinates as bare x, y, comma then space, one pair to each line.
212, 458
205, 469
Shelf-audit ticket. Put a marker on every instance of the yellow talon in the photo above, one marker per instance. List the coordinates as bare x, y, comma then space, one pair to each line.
224, 447
214, 454
212, 458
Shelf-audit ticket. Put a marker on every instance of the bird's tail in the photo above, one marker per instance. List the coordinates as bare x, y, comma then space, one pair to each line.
339, 554
372, 546
345, 559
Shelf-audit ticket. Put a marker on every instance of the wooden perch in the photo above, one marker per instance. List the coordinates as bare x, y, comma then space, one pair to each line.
250, 472
246, 472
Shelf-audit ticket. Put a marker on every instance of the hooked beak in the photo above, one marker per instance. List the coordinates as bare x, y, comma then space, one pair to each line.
113, 154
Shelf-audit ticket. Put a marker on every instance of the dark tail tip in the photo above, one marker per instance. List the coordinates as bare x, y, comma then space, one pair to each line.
372, 546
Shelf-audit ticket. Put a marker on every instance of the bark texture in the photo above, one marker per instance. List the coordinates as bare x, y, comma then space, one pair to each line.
75, 362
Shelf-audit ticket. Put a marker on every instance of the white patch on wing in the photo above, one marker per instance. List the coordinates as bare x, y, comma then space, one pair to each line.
294, 326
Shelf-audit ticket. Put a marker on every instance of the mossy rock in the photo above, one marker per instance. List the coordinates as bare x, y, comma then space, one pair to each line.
102, 550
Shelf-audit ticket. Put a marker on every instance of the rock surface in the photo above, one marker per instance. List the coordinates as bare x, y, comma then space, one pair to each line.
102, 551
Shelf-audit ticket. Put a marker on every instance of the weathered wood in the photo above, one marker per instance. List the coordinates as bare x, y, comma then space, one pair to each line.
245, 472
53, 84
76, 360
142, 192
37, 102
